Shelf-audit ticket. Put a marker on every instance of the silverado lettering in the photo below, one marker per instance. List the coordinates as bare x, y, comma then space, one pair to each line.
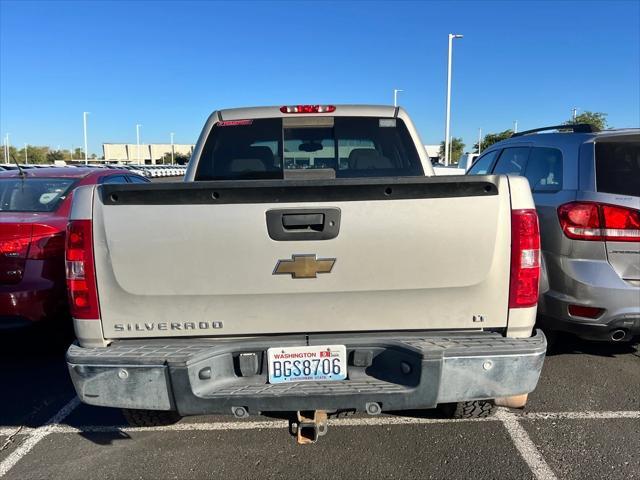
121, 327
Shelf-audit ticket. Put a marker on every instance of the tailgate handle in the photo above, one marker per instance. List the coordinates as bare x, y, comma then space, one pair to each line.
313, 221
303, 223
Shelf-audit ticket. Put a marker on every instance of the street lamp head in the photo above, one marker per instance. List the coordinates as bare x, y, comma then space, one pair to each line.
456, 35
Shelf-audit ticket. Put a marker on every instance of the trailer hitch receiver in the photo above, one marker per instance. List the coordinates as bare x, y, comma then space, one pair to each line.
310, 426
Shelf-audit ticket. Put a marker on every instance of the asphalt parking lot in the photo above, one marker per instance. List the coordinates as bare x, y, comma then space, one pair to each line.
583, 421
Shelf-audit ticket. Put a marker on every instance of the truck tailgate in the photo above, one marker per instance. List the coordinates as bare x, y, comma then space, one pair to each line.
198, 259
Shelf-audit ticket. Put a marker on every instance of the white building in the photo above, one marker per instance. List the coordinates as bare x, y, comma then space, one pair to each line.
149, 153
433, 152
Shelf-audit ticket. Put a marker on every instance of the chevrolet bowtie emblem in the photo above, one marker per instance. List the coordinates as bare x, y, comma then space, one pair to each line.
304, 266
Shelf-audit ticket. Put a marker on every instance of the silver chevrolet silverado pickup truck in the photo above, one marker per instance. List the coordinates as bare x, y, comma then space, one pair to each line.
310, 262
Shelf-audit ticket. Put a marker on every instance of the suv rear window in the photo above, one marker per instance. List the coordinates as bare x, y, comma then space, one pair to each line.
618, 168
351, 146
33, 194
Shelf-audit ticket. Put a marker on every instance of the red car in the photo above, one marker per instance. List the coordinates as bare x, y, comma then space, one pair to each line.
34, 210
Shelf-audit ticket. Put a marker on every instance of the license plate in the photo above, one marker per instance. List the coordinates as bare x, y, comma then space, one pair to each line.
307, 364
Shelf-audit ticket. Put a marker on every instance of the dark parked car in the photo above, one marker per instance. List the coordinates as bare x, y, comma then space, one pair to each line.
34, 210
586, 187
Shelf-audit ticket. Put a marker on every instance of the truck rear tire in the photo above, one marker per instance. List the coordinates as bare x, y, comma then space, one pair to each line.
150, 418
471, 409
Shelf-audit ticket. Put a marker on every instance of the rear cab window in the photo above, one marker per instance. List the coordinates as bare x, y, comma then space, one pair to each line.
33, 194
618, 167
267, 148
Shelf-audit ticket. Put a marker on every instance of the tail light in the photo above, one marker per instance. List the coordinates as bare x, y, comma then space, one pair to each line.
14, 246
598, 221
525, 259
81, 280
308, 109
22, 241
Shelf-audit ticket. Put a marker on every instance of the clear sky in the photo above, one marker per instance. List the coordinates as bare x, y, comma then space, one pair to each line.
167, 65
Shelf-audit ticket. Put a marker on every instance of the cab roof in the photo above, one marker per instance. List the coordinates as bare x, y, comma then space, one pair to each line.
339, 111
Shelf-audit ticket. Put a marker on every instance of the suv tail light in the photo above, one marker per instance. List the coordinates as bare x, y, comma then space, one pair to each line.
81, 280
525, 259
599, 221
308, 109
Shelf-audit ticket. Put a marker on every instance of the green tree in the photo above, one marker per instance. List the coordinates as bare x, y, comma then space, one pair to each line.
179, 158
14, 153
457, 148
491, 138
54, 155
597, 119
36, 154
78, 154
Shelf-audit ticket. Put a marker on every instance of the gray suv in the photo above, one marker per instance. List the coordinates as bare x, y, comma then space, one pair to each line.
586, 187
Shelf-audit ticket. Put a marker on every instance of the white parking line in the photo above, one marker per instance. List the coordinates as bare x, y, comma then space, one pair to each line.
9, 431
509, 419
36, 436
525, 446
579, 415
262, 425
358, 421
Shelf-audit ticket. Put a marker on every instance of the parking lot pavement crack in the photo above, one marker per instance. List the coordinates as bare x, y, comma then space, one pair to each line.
525, 446
36, 436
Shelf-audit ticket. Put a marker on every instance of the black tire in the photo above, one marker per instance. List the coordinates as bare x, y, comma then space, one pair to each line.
150, 418
471, 409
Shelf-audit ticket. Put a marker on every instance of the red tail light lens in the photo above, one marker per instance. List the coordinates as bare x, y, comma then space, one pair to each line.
597, 221
22, 241
15, 247
308, 109
525, 259
621, 224
81, 281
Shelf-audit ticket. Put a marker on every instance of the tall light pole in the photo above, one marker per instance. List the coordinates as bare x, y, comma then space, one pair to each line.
515, 126
172, 150
86, 151
479, 141
574, 113
395, 96
26, 157
447, 126
138, 140
6, 148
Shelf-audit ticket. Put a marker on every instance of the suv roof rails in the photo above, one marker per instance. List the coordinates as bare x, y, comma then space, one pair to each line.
574, 127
